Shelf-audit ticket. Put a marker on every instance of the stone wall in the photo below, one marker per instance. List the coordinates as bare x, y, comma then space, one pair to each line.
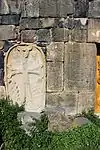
67, 31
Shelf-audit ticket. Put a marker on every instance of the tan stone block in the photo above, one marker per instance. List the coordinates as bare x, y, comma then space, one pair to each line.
55, 51
54, 76
80, 66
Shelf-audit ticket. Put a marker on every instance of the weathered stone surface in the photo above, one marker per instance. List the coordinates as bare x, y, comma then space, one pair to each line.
10, 19
65, 7
85, 101
28, 36
60, 34
29, 23
81, 8
47, 22
94, 30
7, 32
80, 66
55, 51
94, 9
54, 76
58, 120
48, 8
79, 121
43, 35
13, 7
30, 8
79, 35
65, 100
25, 76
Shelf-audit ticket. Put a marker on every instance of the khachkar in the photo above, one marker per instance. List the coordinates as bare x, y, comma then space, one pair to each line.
25, 76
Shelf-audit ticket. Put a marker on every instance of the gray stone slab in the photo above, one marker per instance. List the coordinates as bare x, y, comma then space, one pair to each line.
65, 100
47, 22
94, 9
43, 35
80, 66
94, 30
79, 121
28, 36
10, 19
65, 7
60, 34
79, 35
30, 8
29, 23
7, 32
54, 76
81, 8
55, 51
48, 8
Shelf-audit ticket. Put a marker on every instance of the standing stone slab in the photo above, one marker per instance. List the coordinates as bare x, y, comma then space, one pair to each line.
55, 51
25, 76
94, 30
80, 66
54, 76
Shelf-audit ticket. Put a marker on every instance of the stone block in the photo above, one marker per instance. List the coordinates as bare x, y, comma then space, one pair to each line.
10, 19
7, 7
7, 32
43, 35
79, 35
81, 8
55, 51
48, 8
54, 76
28, 36
65, 100
60, 34
80, 66
30, 8
64, 8
29, 23
80, 121
47, 22
94, 30
94, 9
85, 101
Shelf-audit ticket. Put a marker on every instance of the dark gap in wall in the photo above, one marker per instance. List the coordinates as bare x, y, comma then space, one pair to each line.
98, 49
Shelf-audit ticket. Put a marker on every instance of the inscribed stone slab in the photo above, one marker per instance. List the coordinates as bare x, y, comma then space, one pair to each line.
25, 76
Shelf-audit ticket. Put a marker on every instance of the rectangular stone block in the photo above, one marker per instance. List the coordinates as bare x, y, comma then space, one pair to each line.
30, 8
28, 36
47, 22
79, 35
81, 8
10, 19
65, 7
64, 100
55, 51
48, 8
94, 9
85, 101
54, 76
80, 66
94, 30
43, 35
7, 32
29, 23
60, 34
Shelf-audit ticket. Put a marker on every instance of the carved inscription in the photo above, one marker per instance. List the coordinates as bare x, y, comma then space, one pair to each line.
25, 76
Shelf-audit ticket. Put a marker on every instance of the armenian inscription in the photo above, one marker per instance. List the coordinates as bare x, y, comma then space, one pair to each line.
25, 76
